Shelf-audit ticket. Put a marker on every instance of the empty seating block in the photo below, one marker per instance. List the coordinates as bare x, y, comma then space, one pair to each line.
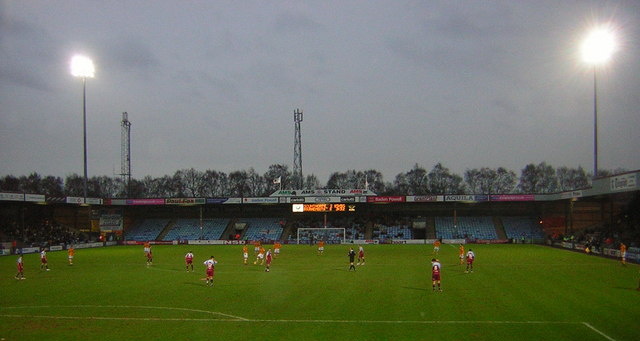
518, 227
262, 228
465, 227
189, 229
148, 229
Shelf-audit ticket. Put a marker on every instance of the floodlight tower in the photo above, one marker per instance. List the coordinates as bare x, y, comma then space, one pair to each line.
83, 67
297, 150
597, 49
125, 152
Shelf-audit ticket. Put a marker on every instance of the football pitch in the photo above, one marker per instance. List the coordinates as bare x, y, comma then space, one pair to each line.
517, 292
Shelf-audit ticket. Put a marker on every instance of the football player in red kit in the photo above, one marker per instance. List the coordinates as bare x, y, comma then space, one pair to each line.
435, 274
268, 259
149, 258
210, 264
188, 260
20, 266
470, 258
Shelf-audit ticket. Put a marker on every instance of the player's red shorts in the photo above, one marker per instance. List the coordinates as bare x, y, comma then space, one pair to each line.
435, 277
43, 260
361, 255
469, 260
189, 260
20, 267
209, 272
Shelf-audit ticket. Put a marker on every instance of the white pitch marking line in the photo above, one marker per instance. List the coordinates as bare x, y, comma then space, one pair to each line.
233, 318
283, 321
131, 306
597, 331
413, 322
121, 318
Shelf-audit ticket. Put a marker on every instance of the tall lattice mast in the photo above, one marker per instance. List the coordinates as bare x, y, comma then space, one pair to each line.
125, 153
297, 151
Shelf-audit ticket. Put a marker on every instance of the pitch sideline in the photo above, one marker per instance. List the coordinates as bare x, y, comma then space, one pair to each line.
233, 318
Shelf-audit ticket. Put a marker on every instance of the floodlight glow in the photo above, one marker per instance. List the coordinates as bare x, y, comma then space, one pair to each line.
82, 66
598, 47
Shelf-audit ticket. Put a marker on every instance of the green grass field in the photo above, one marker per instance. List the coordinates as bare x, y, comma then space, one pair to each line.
523, 292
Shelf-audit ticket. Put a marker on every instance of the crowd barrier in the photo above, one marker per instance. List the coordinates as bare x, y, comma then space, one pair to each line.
633, 253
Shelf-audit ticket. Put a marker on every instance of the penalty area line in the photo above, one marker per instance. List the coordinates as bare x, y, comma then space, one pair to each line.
598, 331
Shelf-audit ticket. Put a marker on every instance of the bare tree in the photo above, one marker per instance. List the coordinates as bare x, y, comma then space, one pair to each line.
215, 183
255, 183
238, 184
311, 182
412, 182
489, 181
441, 181
538, 179
571, 178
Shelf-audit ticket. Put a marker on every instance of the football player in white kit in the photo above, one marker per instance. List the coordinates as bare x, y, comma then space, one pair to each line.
470, 258
210, 264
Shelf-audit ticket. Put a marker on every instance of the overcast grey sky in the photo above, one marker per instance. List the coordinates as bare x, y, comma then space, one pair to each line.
383, 85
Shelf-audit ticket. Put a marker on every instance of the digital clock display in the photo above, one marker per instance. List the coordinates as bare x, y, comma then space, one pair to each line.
323, 208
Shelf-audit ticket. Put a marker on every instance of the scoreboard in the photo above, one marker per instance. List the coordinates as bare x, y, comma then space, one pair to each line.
323, 208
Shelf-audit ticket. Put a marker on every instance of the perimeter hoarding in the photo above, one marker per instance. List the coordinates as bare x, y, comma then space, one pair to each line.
321, 192
425, 198
185, 201
329, 199
12, 196
513, 197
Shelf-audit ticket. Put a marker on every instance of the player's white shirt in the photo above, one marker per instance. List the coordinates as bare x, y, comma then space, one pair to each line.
188, 255
43, 254
471, 255
210, 263
360, 249
19, 261
434, 264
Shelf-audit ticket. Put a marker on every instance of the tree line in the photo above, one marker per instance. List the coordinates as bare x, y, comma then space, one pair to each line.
533, 179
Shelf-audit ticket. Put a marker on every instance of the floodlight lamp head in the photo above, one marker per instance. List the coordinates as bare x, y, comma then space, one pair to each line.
598, 46
82, 66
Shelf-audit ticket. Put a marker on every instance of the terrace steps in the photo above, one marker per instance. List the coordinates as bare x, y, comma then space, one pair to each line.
497, 222
166, 230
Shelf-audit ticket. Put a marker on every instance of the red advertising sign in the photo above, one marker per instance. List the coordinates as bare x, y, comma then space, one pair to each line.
145, 202
513, 197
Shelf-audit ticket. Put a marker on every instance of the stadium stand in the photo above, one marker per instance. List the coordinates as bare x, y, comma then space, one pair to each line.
466, 227
148, 229
263, 229
518, 227
399, 231
213, 228
328, 235
189, 229
354, 231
